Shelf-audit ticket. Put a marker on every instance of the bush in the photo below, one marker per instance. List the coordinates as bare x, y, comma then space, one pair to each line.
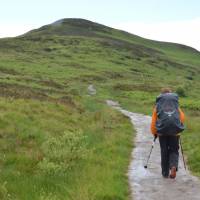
45, 196
192, 104
4, 192
181, 92
62, 152
189, 77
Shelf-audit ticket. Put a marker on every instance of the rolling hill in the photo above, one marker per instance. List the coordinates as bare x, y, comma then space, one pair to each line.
44, 101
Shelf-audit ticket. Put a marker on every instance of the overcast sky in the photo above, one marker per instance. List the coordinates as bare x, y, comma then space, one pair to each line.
167, 20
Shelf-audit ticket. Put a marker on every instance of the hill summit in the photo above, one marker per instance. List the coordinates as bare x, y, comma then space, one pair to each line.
87, 28
56, 138
72, 26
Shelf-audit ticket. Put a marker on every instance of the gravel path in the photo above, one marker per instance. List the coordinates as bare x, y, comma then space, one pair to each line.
148, 184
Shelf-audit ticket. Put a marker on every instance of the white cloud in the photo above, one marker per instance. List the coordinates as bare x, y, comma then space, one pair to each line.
183, 32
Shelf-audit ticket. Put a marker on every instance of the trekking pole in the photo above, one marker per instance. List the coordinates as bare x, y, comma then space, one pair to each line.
182, 154
145, 166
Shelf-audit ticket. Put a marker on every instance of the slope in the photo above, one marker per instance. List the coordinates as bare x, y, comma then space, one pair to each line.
44, 75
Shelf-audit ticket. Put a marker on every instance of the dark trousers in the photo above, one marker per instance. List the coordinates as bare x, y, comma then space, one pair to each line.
169, 146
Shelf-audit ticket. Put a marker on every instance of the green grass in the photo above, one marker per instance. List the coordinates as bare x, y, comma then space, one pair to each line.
27, 124
44, 77
191, 141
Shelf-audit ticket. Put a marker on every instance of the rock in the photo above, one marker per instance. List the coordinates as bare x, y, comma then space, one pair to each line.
91, 90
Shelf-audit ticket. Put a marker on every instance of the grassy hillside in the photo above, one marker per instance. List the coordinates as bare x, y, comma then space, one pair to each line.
59, 142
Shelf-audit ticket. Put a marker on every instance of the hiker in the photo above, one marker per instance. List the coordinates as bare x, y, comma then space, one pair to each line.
167, 123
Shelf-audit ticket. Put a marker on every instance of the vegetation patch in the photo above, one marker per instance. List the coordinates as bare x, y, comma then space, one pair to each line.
59, 142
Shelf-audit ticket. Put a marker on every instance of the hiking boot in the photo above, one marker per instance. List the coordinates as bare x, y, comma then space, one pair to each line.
173, 173
165, 176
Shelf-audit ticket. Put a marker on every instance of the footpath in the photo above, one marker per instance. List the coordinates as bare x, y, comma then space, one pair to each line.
148, 184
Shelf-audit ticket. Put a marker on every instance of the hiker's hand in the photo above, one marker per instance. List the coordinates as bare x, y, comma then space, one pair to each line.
155, 136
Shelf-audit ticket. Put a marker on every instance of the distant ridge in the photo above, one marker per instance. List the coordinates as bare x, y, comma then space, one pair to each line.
84, 27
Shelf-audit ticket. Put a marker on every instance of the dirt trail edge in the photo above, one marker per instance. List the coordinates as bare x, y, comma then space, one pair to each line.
148, 184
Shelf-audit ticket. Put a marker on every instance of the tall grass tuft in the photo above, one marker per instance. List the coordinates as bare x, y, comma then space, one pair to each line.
62, 152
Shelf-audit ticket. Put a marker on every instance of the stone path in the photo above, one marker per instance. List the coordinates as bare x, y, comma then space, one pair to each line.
148, 184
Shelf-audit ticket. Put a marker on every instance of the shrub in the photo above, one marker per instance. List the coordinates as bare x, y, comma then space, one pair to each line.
192, 104
189, 77
181, 92
62, 152
45, 196
4, 192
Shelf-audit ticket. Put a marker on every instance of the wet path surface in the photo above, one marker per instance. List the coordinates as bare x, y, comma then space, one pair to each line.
148, 184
